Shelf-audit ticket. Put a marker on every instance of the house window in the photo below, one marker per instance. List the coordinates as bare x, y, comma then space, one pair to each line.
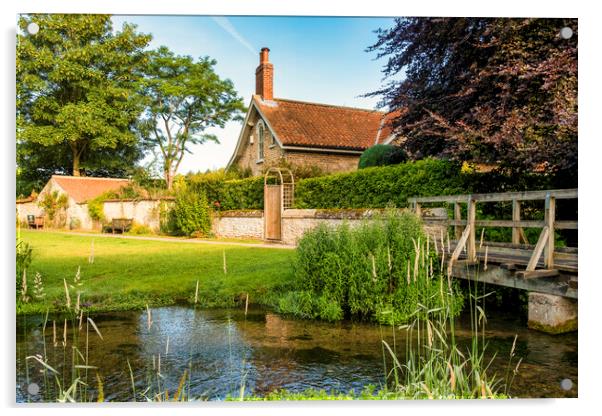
260, 142
272, 140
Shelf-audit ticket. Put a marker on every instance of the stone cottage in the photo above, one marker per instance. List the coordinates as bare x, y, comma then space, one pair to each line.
329, 137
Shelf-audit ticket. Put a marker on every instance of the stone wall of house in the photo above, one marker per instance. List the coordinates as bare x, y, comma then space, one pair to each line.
249, 224
327, 162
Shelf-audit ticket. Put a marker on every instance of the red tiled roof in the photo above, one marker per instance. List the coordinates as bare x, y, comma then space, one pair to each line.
298, 123
84, 188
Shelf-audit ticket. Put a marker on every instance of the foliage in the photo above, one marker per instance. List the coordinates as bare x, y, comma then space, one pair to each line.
300, 171
183, 99
225, 192
493, 90
96, 208
139, 229
54, 203
190, 213
382, 155
380, 270
379, 187
77, 96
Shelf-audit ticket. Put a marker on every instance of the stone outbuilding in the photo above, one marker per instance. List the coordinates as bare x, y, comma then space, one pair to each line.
79, 190
300, 133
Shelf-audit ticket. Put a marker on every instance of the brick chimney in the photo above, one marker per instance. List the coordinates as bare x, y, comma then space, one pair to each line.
264, 76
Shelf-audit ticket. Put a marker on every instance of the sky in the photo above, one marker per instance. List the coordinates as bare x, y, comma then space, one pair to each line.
317, 59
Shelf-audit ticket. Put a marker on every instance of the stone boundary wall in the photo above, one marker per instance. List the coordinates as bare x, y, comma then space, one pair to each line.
249, 224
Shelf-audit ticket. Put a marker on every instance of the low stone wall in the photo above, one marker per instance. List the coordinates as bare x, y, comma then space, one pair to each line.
250, 224
238, 224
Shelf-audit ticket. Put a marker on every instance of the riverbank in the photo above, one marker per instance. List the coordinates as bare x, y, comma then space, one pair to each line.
130, 273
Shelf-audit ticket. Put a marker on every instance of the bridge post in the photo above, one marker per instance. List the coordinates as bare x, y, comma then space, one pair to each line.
470, 220
515, 217
552, 314
550, 216
457, 217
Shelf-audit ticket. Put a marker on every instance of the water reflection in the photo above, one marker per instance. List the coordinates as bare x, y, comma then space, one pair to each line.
221, 351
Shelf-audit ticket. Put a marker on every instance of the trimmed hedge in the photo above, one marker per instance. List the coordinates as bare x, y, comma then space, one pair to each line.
228, 194
374, 187
379, 187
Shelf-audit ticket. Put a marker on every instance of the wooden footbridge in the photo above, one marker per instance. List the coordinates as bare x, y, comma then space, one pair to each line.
542, 267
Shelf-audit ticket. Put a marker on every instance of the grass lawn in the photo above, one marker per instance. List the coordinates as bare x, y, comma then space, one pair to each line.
128, 274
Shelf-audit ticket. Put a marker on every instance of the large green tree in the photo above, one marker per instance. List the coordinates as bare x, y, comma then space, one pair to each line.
494, 90
78, 98
184, 98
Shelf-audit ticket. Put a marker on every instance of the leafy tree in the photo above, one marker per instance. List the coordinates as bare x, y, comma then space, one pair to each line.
382, 155
184, 98
77, 100
491, 90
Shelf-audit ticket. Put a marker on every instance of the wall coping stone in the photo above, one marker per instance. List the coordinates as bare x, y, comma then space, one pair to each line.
251, 213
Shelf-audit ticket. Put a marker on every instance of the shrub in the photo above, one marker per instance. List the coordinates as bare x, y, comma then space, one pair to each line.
379, 187
139, 229
96, 208
382, 155
372, 271
54, 205
190, 214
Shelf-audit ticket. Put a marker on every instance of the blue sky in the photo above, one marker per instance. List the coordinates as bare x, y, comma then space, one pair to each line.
319, 59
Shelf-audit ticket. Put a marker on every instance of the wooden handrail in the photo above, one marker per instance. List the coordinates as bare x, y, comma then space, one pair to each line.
545, 244
499, 197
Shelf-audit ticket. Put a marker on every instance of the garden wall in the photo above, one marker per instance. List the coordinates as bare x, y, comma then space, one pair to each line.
249, 224
145, 212
27, 208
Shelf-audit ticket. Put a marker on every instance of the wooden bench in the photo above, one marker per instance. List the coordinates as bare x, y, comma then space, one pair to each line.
121, 224
35, 222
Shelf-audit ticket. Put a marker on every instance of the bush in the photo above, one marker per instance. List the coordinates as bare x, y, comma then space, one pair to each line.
139, 229
54, 205
370, 272
382, 155
379, 187
96, 208
190, 214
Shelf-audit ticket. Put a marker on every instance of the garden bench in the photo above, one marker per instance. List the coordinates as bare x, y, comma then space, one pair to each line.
121, 224
35, 222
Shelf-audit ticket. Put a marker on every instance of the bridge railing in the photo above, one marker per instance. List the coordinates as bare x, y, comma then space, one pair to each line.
466, 236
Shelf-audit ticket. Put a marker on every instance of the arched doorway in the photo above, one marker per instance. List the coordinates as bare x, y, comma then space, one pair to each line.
278, 195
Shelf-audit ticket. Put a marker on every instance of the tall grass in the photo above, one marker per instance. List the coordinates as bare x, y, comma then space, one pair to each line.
381, 270
435, 364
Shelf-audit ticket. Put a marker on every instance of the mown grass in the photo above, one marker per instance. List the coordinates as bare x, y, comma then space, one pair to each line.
121, 274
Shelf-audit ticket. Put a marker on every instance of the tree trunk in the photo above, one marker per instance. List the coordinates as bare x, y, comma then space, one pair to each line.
75, 164
168, 179
76, 155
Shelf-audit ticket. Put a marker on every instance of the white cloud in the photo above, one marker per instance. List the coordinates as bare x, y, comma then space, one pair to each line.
225, 24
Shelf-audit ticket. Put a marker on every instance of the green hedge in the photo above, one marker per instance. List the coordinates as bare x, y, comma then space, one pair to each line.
379, 187
226, 193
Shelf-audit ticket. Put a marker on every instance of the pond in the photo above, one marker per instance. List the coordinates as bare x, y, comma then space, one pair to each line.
222, 350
